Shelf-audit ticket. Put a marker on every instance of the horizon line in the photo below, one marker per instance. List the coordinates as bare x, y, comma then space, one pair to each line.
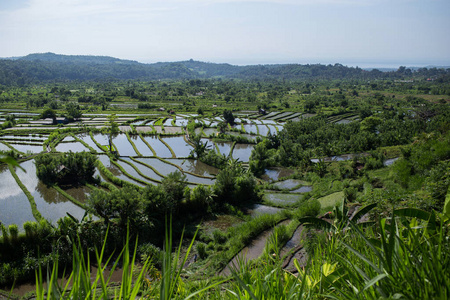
367, 64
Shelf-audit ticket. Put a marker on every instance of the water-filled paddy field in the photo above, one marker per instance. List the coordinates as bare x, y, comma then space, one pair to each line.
143, 160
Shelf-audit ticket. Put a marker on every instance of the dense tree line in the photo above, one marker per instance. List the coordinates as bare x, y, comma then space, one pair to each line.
50, 67
298, 142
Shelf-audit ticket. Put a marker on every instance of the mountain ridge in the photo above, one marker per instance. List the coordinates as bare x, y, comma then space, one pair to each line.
45, 67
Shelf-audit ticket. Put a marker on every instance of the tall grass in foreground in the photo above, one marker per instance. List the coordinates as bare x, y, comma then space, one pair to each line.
406, 257
135, 283
80, 285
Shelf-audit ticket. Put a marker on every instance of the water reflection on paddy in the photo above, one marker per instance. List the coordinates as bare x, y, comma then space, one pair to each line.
73, 146
102, 139
141, 146
51, 204
199, 180
79, 193
162, 167
195, 166
272, 129
15, 207
88, 140
242, 152
130, 170
123, 145
303, 189
288, 184
181, 122
208, 131
30, 137
115, 170
179, 146
28, 148
224, 147
143, 169
160, 149
263, 130
3, 147
282, 199
259, 209
250, 128
273, 174
245, 135
141, 122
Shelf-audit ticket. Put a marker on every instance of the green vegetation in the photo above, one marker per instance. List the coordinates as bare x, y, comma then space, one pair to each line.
344, 220
68, 168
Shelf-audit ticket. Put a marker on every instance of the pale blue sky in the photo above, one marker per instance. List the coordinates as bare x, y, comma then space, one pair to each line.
353, 32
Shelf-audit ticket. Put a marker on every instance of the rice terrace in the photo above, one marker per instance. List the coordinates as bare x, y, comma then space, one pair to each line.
211, 181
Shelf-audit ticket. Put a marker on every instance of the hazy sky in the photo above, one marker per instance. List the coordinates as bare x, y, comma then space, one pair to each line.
352, 32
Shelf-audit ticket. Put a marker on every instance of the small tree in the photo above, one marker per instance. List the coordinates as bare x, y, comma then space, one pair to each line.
73, 111
113, 129
49, 113
199, 147
228, 117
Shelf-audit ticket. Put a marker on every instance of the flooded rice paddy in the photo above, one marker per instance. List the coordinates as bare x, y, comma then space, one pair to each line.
260, 209
160, 149
71, 146
15, 207
280, 199
149, 163
242, 152
288, 184
50, 203
123, 146
274, 174
195, 166
303, 189
27, 148
179, 146
224, 147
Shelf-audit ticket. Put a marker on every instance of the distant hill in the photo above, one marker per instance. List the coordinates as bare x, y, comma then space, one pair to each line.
50, 67
82, 59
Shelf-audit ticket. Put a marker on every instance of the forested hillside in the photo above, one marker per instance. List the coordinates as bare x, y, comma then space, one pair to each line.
49, 67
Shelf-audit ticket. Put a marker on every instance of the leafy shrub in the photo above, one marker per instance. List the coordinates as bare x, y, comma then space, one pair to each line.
201, 250
350, 194
65, 168
150, 252
219, 236
13, 231
309, 208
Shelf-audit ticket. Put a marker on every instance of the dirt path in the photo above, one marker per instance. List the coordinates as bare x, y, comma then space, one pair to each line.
251, 251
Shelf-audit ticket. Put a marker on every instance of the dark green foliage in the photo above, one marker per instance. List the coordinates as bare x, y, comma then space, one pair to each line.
214, 159
150, 252
123, 204
315, 134
261, 158
67, 168
228, 117
422, 159
200, 148
235, 185
201, 200
48, 67
438, 181
49, 113
201, 250
73, 111
167, 198
309, 208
